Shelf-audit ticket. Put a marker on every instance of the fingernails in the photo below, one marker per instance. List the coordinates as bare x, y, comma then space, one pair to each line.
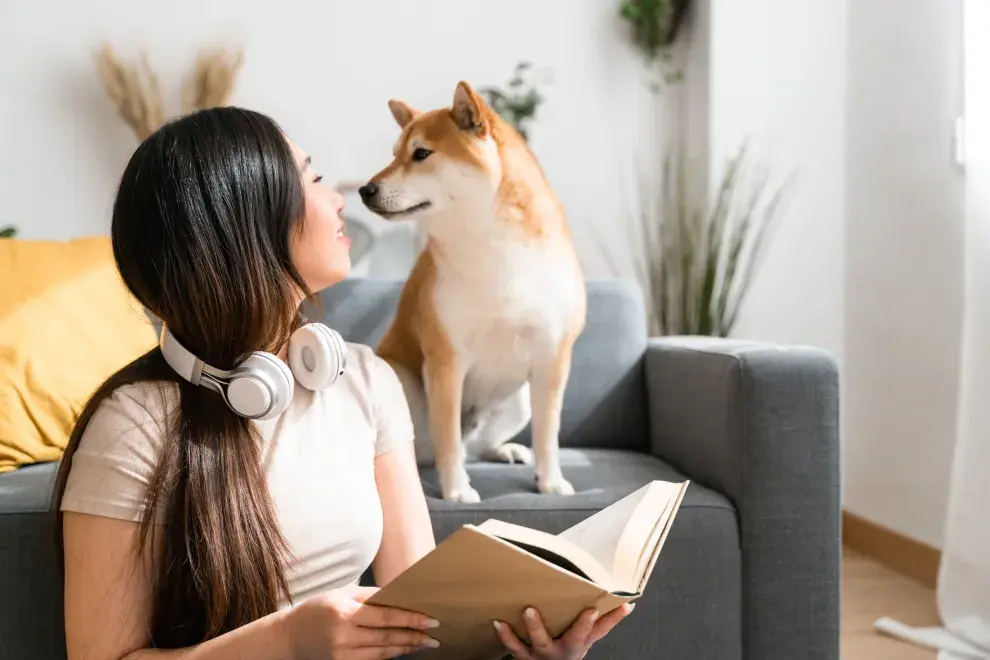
430, 644
595, 615
498, 625
630, 607
530, 614
431, 623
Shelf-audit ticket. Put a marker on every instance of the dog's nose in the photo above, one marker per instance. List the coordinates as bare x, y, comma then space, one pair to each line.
368, 190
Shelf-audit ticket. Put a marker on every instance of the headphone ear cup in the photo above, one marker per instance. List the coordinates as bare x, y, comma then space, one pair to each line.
317, 356
260, 387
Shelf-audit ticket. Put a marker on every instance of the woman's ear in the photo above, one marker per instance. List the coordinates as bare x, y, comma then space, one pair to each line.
468, 110
402, 112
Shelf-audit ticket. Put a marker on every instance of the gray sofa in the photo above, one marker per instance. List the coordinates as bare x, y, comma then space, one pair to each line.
751, 567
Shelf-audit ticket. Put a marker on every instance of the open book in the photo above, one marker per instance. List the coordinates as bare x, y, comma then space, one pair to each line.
494, 570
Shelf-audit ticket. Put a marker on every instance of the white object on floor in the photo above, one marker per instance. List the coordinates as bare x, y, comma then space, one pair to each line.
937, 639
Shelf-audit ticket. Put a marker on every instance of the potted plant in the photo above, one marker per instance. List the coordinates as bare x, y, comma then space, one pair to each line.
654, 27
696, 264
519, 102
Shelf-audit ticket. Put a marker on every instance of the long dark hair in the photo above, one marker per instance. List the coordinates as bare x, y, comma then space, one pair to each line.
201, 231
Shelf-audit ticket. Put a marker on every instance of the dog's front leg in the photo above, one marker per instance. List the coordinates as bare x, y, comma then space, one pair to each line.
444, 380
546, 390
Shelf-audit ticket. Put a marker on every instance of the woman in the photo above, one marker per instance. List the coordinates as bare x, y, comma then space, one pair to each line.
190, 531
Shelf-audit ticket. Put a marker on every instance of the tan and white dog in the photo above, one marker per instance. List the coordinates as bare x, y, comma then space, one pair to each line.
487, 319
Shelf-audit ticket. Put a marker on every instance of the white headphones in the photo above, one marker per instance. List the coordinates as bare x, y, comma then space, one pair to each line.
261, 385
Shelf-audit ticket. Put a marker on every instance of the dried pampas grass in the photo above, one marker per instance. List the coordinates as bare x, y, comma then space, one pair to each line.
135, 92
211, 81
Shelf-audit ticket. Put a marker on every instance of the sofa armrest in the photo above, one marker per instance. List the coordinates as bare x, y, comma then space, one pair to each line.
760, 423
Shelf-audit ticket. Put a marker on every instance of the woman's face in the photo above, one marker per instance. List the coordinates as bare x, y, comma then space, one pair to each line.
320, 251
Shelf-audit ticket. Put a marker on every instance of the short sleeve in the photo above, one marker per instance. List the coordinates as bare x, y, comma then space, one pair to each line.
117, 456
393, 421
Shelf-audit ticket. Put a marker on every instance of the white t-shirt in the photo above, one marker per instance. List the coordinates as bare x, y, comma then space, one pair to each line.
319, 459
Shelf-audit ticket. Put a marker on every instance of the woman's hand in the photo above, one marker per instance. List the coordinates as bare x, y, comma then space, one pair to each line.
338, 625
572, 645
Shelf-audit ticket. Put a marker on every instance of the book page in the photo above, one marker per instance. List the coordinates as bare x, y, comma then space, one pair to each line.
599, 534
540, 544
662, 524
643, 531
652, 551
613, 548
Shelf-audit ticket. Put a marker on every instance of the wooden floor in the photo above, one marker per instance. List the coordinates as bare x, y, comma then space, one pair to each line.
870, 591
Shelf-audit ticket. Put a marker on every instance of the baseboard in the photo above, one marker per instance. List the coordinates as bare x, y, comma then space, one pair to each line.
912, 558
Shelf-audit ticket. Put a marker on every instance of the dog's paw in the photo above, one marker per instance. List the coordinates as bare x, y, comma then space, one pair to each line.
512, 452
555, 485
463, 495
455, 484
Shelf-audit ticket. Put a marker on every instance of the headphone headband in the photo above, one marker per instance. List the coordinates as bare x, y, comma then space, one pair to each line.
261, 385
180, 358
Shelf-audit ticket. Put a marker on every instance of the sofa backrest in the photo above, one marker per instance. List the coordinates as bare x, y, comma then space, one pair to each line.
604, 403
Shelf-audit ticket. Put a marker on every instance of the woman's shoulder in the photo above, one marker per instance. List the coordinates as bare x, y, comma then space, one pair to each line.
119, 451
380, 389
364, 366
133, 415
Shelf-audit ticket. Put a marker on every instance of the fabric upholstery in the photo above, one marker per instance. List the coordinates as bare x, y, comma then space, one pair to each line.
31, 619
604, 403
760, 423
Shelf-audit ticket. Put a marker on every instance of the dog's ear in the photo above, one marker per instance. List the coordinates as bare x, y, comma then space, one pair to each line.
468, 110
402, 111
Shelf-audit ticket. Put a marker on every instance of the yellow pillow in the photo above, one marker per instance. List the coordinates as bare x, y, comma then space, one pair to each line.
66, 324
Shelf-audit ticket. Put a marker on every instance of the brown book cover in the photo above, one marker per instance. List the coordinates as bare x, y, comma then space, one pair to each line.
492, 571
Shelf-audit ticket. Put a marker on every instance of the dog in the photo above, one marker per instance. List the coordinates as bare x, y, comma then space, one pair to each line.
486, 322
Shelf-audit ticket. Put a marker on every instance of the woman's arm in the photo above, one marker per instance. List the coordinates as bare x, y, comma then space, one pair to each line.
408, 533
108, 601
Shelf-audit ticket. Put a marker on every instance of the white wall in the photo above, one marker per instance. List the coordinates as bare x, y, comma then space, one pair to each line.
904, 250
856, 98
776, 80
325, 71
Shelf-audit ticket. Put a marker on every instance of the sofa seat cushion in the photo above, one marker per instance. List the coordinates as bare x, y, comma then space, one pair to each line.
601, 477
694, 591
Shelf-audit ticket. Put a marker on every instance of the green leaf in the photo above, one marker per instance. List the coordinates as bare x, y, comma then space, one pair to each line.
8, 232
696, 265
518, 102
630, 12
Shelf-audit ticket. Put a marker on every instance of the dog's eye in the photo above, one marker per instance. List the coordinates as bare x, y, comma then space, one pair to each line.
421, 154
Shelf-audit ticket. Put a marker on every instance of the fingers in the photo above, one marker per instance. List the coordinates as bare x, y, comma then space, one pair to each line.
374, 616
581, 629
539, 638
361, 594
386, 637
511, 642
609, 621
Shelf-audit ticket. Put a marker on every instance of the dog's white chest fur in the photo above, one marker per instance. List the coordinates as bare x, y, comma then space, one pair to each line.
505, 310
